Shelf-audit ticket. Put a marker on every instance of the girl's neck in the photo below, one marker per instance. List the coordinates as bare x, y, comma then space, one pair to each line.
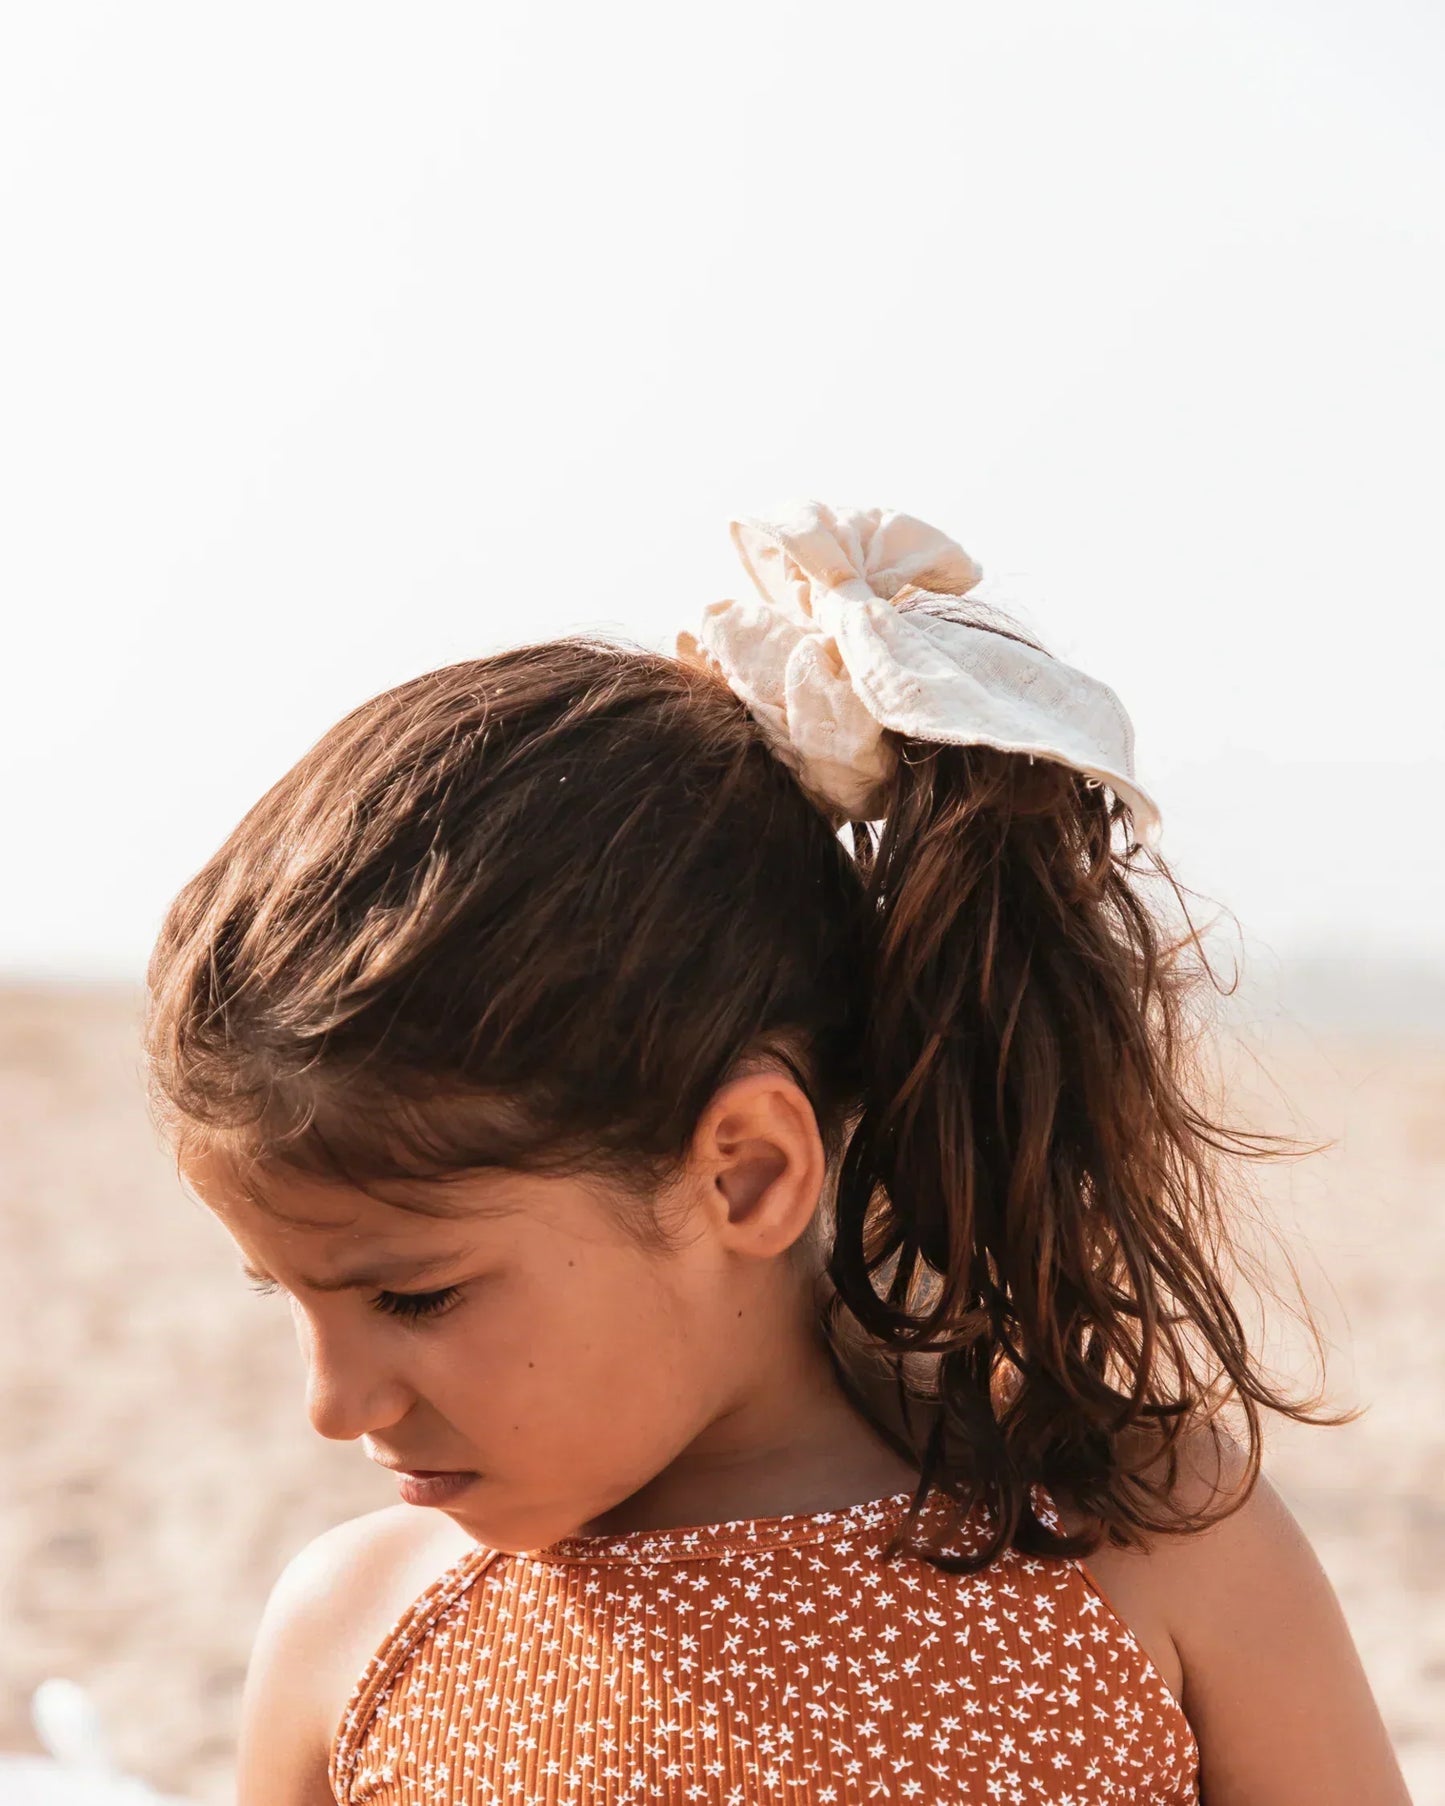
793, 1442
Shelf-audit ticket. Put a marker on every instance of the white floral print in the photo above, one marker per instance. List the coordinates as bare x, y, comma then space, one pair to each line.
763, 1662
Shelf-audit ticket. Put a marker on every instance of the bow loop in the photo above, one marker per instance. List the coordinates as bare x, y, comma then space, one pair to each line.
808, 552
831, 664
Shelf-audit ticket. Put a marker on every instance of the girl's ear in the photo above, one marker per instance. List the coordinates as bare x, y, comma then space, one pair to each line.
759, 1155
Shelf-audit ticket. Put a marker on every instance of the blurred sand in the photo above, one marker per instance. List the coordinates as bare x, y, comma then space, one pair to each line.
160, 1469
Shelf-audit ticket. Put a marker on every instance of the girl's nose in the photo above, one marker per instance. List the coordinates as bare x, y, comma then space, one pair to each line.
349, 1391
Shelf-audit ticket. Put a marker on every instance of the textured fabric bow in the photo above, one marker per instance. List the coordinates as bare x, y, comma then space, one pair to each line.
828, 660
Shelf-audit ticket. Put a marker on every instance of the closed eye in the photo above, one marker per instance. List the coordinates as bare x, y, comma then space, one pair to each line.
411, 1307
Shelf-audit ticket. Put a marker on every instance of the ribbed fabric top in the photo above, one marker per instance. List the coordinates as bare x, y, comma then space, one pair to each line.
763, 1662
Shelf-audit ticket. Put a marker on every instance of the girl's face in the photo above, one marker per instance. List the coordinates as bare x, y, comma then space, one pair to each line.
531, 1341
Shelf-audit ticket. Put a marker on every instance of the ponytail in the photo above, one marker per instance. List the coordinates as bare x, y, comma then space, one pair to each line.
1031, 1181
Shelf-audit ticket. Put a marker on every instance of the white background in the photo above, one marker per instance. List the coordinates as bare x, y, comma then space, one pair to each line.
341, 341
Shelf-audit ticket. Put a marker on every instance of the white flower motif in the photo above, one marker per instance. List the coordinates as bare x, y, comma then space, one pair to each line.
657, 1668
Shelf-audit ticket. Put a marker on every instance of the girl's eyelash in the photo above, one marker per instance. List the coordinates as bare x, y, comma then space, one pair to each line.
411, 1307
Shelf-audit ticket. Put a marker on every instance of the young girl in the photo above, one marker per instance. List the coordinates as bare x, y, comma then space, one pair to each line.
789, 1270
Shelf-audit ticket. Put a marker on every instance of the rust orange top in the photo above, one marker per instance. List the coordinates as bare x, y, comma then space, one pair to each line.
763, 1662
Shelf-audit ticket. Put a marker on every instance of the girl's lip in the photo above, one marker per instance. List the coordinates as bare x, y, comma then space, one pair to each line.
434, 1489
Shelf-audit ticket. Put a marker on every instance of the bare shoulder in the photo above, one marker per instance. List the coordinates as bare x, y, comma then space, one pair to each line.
1252, 1630
324, 1619
363, 1574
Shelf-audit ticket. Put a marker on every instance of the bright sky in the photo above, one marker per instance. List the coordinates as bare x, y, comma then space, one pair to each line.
344, 340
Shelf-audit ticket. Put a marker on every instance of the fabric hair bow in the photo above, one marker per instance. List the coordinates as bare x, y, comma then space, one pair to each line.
859, 630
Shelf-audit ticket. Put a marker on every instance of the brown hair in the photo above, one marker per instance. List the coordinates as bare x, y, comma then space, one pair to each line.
531, 910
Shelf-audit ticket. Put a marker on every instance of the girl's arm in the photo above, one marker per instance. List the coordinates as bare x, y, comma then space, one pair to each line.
1273, 1684
282, 1753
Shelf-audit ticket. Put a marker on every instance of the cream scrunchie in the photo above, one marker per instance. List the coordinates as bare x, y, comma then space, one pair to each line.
827, 661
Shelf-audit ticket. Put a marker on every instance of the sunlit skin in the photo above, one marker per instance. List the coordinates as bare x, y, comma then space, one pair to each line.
595, 1386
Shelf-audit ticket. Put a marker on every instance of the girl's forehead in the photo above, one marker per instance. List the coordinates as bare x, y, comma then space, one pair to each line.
335, 1237
331, 1237
290, 1200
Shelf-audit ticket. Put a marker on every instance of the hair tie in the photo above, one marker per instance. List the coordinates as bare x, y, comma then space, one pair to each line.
828, 660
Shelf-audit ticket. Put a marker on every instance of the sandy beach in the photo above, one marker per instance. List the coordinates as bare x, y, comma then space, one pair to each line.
161, 1470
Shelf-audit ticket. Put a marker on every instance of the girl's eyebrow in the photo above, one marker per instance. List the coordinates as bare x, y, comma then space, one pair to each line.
375, 1277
